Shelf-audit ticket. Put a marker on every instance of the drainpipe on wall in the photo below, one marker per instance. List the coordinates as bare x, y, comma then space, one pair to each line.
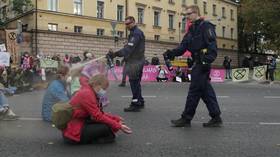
36, 27
126, 14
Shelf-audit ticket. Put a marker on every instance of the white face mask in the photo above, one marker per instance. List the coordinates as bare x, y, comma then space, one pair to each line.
69, 79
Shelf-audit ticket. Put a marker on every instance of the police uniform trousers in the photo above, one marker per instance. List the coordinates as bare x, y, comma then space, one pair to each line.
135, 71
200, 87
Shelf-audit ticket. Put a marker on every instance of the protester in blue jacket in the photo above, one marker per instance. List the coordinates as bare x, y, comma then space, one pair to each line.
56, 92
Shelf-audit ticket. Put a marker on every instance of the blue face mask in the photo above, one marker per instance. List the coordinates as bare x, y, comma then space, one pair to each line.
101, 93
103, 99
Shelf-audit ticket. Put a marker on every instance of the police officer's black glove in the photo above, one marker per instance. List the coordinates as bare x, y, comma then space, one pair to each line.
110, 54
167, 54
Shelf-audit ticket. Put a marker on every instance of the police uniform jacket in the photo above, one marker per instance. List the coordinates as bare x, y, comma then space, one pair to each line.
200, 36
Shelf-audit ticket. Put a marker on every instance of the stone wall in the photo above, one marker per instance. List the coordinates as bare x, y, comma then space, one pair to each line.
50, 43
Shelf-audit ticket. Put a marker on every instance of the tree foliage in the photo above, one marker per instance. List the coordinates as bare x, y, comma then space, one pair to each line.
259, 25
18, 5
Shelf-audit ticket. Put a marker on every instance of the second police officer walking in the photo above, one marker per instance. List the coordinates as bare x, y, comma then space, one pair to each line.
133, 52
201, 42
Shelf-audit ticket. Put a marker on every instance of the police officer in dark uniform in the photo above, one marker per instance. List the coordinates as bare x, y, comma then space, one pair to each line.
133, 52
201, 42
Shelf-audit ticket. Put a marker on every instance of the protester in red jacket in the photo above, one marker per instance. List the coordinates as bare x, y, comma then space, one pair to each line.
89, 124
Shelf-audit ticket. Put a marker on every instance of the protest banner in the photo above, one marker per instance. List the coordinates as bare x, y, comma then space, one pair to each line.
240, 74
259, 73
48, 63
217, 75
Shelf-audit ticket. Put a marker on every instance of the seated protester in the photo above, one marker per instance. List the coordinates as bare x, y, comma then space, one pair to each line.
5, 111
162, 75
56, 92
178, 75
89, 124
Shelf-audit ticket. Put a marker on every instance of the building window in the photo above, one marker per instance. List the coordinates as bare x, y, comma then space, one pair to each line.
171, 2
231, 33
223, 31
100, 32
140, 15
214, 10
156, 18
184, 21
120, 13
78, 29
171, 38
157, 37
184, 2
78, 7
224, 46
52, 5
120, 34
100, 9
52, 27
231, 14
232, 46
4, 13
223, 12
195, 1
205, 7
171, 21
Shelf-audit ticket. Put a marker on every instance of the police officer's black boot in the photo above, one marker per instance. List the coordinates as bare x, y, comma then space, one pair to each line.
182, 122
122, 84
133, 107
141, 105
214, 122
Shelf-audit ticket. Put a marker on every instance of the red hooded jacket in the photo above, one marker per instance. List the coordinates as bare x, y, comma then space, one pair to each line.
88, 104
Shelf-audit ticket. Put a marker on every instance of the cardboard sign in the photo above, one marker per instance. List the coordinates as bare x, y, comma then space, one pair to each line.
4, 59
3, 48
48, 63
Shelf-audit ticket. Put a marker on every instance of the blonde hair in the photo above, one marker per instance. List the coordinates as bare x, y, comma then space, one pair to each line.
62, 71
194, 8
98, 79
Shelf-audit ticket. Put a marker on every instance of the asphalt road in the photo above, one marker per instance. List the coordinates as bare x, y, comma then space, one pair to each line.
250, 112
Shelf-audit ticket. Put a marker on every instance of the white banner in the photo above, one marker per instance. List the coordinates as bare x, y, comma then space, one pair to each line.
4, 59
3, 48
240, 74
259, 73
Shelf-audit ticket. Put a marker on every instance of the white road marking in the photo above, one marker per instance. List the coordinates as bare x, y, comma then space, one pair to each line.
265, 123
147, 96
223, 96
272, 97
154, 96
227, 123
30, 119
